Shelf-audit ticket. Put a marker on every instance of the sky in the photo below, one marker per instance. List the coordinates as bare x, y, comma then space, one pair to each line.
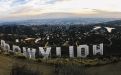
42, 9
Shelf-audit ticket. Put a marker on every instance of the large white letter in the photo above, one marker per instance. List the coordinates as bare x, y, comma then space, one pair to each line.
2, 44
58, 51
16, 49
25, 51
6, 47
31, 52
71, 51
82, 51
98, 49
45, 53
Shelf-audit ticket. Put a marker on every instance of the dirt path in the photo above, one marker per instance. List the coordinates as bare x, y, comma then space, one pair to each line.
110, 41
7, 62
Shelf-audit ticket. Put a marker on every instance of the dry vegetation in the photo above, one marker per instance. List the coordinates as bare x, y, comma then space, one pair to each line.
6, 64
67, 66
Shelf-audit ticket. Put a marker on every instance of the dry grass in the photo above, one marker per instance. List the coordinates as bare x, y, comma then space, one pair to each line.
7, 62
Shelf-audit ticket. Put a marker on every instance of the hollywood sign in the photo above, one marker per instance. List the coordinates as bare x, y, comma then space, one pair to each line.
82, 50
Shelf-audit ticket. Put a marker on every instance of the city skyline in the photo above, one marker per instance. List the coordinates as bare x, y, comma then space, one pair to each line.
43, 9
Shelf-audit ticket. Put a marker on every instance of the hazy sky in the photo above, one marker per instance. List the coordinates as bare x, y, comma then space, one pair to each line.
25, 9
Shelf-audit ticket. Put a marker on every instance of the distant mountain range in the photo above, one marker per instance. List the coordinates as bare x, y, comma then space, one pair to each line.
59, 21
31, 27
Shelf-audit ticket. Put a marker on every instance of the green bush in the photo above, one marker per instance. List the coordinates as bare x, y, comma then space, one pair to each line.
22, 56
104, 59
114, 59
52, 62
1, 52
16, 54
76, 60
39, 59
66, 60
11, 52
96, 59
7, 53
18, 69
90, 61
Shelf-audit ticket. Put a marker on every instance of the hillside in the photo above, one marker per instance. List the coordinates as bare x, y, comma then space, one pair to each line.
7, 62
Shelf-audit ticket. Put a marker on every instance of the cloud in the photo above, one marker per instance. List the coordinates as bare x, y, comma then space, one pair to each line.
18, 2
99, 11
103, 14
25, 10
59, 8
108, 14
65, 15
54, 1
51, 1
